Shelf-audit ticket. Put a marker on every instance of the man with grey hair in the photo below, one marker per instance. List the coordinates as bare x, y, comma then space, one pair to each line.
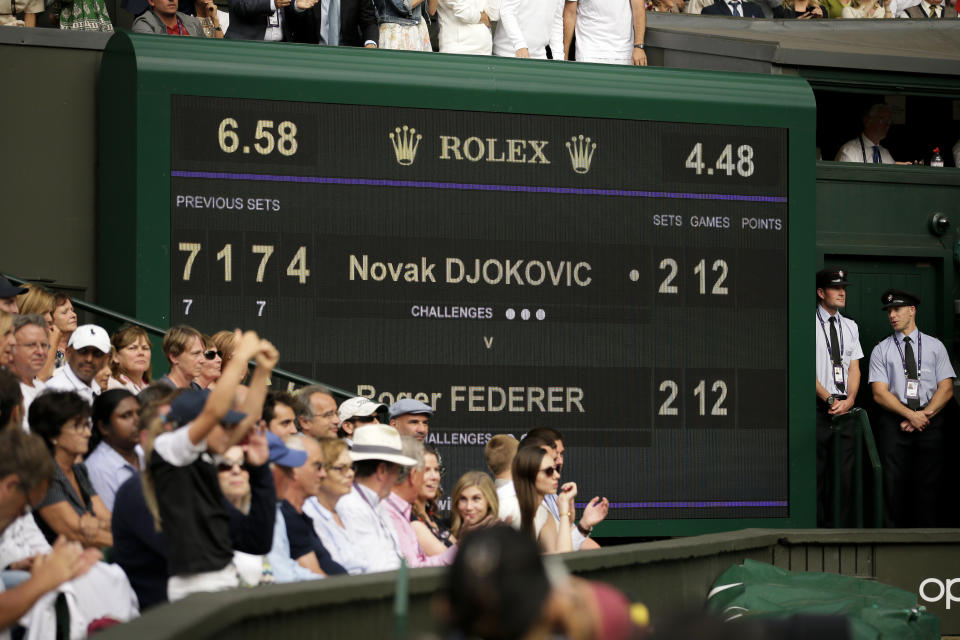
320, 418
866, 147
399, 504
29, 356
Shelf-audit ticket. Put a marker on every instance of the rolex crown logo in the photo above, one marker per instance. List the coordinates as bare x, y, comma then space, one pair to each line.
405, 142
581, 153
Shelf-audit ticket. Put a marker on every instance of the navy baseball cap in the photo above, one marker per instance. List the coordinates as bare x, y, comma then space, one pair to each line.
898, 298
8, 290
282, 454
188, 405
409, 405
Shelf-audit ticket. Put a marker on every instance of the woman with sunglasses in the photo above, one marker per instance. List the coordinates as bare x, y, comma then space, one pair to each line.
433, 532
212, 364
535, 474
116, 453
130, 360
322, 508
71, 507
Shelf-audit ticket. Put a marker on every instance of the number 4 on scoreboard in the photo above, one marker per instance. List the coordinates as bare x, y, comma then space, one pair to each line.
298, 266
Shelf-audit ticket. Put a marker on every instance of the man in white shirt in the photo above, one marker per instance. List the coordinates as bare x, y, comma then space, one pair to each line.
608, 31
499, 452
378, 453
866, 147
527, 27
87, 353
29, 356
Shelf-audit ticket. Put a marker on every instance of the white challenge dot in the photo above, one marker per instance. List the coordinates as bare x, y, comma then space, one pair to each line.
541, 314
634, 275
525, 314
511, 314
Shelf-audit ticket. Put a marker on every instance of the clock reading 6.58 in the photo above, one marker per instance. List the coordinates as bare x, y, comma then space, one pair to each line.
265, 142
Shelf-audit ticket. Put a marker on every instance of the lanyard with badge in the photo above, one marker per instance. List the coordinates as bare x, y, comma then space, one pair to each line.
913, 384
376, 514
838, 378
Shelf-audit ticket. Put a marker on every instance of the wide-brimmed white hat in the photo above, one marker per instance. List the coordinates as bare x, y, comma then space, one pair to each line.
379, 442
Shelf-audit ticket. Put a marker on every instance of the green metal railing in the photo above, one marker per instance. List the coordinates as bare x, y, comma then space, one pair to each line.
116, 316
857, 420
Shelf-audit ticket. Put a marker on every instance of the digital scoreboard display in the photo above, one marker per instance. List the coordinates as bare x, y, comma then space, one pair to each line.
623, 281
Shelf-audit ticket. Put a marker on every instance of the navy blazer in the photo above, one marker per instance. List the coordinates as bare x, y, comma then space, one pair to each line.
358, 23
720, 8
248, 19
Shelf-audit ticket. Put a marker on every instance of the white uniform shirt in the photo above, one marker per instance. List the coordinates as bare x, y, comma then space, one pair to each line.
853, 152
849, 336
604, 31
531, 25
29, 393
933, 364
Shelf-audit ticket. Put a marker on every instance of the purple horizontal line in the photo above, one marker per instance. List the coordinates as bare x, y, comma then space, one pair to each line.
720, 504
473, 187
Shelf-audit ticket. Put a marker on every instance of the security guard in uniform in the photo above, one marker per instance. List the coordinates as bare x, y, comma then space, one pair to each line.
912, 380
838, 379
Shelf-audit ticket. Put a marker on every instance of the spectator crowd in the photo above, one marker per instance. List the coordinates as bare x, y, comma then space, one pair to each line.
207, 479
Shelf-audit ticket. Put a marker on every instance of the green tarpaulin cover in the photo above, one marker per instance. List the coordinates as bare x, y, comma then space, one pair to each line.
874, 610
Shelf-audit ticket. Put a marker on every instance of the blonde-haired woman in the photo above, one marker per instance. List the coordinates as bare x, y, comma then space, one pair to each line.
474, 500
40, 301
798, 9
867, 9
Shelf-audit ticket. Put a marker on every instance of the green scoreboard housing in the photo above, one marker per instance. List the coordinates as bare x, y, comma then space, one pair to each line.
624, 254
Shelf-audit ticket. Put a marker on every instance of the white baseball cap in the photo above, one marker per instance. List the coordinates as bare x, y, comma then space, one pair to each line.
90, 335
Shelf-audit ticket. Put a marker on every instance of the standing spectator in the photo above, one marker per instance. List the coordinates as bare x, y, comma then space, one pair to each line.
911, 425
85, 15
117, 454
474, 502
8, 296
279, 414
378, 456
346, 23
294, 486
433, 532
402, 25
214, 22
183, 347
465, 26
499, 452
735, 8
210, 368
527, 27
87, 353
266, 20
64, 324
71, 507
355, 413
163, 18
876, 124
324, 422
8, 341
411, 418
322, 508
195, 522
130, 360
608, 32
29, 356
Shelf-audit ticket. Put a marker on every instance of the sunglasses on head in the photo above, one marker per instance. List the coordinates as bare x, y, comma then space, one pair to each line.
228, 465
550, 471
210, 354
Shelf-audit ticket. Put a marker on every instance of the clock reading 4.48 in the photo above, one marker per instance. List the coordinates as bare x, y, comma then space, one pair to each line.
725, 162
264, 140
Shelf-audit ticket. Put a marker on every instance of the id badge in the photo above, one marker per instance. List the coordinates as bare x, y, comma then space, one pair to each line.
274, 20
837, 374
913, 389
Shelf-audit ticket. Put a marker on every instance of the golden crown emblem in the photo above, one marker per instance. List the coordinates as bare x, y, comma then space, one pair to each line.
581, 153
405, 142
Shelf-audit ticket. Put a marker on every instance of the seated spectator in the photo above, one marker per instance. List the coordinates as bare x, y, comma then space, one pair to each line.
322, 508
163, 18
867, 9
474, 502
8, 296
666, 6
934, 9
71, 507
267, 20
398, 506
40, 301
499, 452
433, 532
8, 341
235, 484
87, 353
411, 418
183, 348
11, 400
527, 27
26, 471
85, 15
182, 482
323, 420
799, 9
214, 22
377, 454
29, 356
279, 415
225, 341
210, 368
356, 412
294, 485
130, 359
876, 123
535, 476
116, 440
64, 323
734, 8
465, 26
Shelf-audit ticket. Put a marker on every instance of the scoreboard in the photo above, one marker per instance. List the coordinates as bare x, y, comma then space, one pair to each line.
615, 268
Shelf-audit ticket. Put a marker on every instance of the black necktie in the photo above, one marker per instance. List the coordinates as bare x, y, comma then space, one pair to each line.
735, 6
835, 348
913, 403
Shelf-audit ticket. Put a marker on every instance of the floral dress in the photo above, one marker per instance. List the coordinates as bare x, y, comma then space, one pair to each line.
84, 15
